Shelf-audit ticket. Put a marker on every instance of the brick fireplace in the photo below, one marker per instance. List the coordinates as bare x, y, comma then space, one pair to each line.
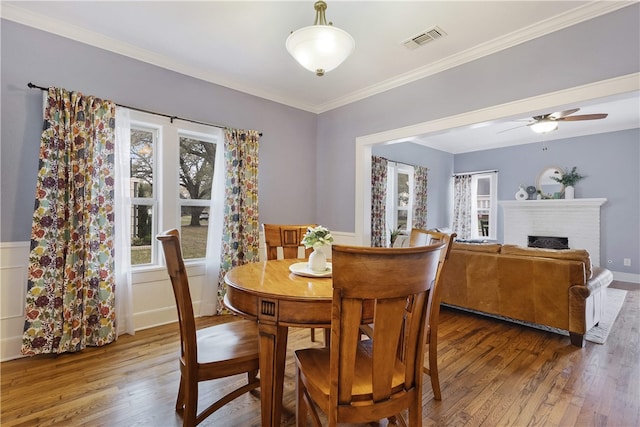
576, 219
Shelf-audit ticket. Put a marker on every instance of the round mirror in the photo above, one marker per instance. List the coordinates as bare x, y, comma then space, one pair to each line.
550, 188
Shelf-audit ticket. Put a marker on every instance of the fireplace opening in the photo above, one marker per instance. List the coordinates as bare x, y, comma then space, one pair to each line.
548, 242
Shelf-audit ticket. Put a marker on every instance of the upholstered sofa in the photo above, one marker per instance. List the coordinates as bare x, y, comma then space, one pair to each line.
557, 288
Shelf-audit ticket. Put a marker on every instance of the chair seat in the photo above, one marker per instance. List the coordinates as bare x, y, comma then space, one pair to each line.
316, 363
237, 341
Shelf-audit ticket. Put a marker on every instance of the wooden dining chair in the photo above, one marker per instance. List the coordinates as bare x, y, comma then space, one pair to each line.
356, 380
210, 353
420, 237
283, 242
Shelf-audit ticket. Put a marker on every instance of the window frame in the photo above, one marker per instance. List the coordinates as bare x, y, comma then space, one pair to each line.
166, 183
493, 204
202, 137
156, 131
392, 207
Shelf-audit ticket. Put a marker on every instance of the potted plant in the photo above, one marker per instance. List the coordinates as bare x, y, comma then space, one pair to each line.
394, 234
316, 238
569, 179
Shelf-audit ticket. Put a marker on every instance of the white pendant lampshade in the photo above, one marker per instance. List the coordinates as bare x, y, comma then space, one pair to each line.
320, 47
544, 126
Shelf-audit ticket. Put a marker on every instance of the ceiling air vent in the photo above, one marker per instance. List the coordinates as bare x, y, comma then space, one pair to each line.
424, 37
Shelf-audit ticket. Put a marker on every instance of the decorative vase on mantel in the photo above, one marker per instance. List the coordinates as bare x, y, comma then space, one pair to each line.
569, 192
569, 179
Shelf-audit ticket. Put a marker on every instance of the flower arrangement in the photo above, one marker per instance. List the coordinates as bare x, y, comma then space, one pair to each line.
569, 179
317, 237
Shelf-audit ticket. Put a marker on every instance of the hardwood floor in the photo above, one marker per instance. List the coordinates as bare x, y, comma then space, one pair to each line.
492, 373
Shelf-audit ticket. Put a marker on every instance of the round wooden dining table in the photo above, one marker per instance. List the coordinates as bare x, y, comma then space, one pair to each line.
276, 298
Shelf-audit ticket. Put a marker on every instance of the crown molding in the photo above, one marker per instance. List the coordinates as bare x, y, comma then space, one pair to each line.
73, 32
82, 35
548, 26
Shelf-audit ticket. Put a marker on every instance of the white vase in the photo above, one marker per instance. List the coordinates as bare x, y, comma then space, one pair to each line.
317, 261
522, 194
569, 192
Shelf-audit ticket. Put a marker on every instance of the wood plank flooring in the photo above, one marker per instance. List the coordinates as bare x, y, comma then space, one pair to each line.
492, 373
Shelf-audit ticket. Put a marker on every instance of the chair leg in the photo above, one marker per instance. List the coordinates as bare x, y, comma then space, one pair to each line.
251, 376
327, 337
433, 368
180, 399
415, 411
313, 335
191, 403
301, 406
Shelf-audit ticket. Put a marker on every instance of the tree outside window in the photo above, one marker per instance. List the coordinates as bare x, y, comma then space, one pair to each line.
196, 168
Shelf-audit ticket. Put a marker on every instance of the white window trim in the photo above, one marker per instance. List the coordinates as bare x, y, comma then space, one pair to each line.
393, 169
166, 179
493, 204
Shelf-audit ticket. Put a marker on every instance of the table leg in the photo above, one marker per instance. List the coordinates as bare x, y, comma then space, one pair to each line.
273, 353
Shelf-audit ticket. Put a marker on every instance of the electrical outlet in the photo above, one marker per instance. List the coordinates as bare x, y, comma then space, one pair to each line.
627, 262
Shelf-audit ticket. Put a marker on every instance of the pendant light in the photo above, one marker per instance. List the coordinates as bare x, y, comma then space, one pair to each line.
320, 47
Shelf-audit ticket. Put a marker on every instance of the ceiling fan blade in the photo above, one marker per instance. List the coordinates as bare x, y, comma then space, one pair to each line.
583, 117
517, 127
559, 114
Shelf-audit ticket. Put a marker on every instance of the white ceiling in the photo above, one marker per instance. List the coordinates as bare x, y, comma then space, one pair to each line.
240, 44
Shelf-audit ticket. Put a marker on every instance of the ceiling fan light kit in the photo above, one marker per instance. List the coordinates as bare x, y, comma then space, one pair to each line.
320, 47
544, 126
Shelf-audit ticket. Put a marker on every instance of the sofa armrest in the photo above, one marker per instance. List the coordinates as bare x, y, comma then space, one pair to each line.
586, 304
601, 279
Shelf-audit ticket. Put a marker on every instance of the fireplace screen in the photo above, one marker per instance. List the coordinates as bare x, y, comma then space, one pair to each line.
548, 242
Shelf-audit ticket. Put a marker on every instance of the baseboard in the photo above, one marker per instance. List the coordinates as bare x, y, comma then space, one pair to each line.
626, 277
11, 348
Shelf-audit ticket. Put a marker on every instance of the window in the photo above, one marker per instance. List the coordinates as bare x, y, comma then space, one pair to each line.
197, 160
399, 197
143, 202
172, 171
484, 205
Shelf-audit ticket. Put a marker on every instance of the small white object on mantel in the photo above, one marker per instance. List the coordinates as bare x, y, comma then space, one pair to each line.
522, 194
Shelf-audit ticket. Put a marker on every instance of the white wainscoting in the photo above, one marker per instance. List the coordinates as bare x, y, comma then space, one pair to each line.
14, 261
153, 302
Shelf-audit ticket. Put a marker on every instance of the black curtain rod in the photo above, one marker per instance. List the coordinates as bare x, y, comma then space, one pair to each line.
474, 173
172, 118
398, 163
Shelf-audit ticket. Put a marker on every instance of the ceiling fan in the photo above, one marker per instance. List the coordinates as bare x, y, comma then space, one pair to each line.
549, 122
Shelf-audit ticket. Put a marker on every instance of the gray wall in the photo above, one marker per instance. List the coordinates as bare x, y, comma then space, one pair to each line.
287, 180
611, 163
440, 165
293, 188
599, 49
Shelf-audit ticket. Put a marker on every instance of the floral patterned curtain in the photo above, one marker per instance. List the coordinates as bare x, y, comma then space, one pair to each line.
378, 201
462, 206
240, 234
70, 287
419, 214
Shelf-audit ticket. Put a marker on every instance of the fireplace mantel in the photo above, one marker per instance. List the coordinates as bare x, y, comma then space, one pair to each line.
552, 203
577, 219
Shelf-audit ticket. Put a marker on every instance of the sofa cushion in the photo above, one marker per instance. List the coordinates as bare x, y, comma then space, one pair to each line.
568, 254
493, 248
